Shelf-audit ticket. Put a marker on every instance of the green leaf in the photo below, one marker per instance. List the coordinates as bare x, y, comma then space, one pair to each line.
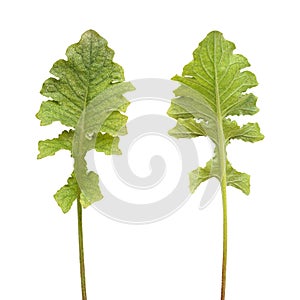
199, 175
107, 144
250, 132
238, 180
86, 85
187, 128
67, 194
213, 87
50, 147
92, 120
88, 71
115, 124
234, 178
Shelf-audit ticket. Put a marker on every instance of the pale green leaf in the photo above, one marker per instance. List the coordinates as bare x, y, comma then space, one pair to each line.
199, 175
238, 180
213, 87
234, 178
249, 132
187, 128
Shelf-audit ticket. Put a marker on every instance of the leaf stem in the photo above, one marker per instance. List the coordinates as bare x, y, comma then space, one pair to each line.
81, 251
224, 264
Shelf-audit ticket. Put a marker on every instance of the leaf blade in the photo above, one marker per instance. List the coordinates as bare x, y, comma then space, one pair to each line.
88, 75
50, 147
66, 195
213, 87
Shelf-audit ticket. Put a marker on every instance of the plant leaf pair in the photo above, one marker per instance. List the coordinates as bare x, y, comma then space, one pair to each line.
86, 95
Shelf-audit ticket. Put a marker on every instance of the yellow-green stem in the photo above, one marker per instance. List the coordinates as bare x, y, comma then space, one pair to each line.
81, 251
224, 264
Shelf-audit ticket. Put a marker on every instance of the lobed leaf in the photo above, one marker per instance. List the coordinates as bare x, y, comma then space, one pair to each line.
66, 195
107, 144
187, 128
50, 147
213, 87
86, 94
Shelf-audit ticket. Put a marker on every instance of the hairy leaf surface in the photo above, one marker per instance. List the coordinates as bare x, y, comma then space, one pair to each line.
213, 87
88, 81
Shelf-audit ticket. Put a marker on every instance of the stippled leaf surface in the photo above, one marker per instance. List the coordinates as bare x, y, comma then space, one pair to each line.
214, 87
103, 112
88, 76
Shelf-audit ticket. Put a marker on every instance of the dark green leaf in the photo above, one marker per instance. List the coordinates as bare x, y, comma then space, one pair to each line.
86, 94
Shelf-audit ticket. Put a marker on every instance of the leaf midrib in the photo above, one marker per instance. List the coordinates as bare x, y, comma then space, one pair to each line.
88, 79
85, 101
220, 131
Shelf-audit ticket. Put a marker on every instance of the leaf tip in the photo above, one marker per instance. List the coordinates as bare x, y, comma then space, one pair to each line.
171, 133
91, 32
215, 32
175, 78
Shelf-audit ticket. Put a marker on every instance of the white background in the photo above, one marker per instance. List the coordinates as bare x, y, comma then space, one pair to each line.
179, 257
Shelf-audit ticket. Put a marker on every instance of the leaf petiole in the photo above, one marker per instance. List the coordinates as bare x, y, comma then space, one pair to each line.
81, 249
224, 263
